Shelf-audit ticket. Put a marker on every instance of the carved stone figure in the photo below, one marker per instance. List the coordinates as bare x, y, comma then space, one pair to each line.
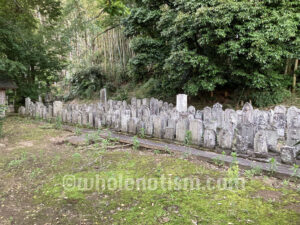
209, 139
260, 144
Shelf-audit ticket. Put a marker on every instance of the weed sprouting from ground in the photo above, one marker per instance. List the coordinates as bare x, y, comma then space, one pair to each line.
142, 133
219, 161
58, 123
156, 152
76, 157
92, 138
255, 171
295, 170
233, 171
78, 131
188, 138
135, 143
105, 143
37, 172
17, 162
273, 165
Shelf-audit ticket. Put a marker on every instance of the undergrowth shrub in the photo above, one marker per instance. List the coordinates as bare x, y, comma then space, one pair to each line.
85, 82
122, 95
233, 171
269, 97
136, 143
188, 138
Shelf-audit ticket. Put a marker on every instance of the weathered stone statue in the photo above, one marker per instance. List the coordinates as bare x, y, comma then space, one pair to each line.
209, 139
288, 155
225, 138
247, 114
260, 144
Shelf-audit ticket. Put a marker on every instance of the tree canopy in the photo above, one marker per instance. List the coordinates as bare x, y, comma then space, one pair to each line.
198, 45
31, 51
191, 46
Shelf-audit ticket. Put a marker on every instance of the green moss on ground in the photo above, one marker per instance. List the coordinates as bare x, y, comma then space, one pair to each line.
34, 176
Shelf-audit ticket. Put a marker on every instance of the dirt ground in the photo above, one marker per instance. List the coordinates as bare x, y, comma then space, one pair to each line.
35, 159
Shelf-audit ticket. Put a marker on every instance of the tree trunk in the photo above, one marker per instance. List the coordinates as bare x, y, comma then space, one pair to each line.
287, 66
295, 75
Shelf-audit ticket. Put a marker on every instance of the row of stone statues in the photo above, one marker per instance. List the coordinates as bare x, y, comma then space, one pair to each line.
250, 132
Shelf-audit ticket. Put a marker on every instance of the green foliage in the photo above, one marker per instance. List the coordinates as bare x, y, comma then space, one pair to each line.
295, 170
285, 182
256, 171
273, 165
136, 143
156, 152
249, 174
85, 82
30, 54
76, 157
78, 131
186, 155
268, 97
218, 161
188, 138
122, 95
234, 158
17, 162
142, 133
167, 150
233, 171
198, 46
104, 144
58, 123
35, 173
88, 30
93, 137
74, 195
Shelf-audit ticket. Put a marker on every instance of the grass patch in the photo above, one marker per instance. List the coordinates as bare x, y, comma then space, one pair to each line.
32, 190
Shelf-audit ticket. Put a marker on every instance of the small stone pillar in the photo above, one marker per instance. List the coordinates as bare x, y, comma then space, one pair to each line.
103, 96
2, 102
181, 103
27, 105
57, 108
